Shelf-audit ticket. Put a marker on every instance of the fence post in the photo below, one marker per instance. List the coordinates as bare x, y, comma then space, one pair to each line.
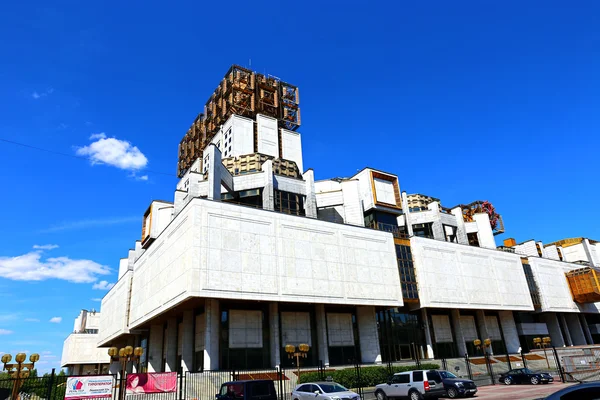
180, 383
488, 361
559, 367
358, 380
468, 364
523, 359
50, 384
279, 385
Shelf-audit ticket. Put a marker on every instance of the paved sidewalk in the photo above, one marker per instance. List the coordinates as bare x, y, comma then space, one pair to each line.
519, 392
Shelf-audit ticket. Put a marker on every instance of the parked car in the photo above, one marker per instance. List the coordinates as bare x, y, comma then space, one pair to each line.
247, 390
415, 385
455, 386
524, 375
583, 391
323, 391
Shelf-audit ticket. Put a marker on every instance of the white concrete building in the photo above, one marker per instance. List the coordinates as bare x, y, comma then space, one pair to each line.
81, 354
252, 255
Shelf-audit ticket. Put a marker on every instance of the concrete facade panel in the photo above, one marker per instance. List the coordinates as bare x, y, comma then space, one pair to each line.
452, 275
553, 287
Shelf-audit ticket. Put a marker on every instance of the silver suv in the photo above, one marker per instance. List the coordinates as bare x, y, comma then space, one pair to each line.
414, 385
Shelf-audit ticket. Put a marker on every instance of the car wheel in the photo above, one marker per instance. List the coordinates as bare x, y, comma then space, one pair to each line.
535, 380
507, 381
414, 395
380, 395
452, 393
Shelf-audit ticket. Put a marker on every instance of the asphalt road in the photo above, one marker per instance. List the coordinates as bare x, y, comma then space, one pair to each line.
503, 392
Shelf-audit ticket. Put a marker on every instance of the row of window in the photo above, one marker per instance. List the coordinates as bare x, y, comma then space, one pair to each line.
406, 269
533, 289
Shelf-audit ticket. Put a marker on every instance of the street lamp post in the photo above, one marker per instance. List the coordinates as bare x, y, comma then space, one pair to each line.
302, 352
19, 370
542, 343
124, 355
482, 346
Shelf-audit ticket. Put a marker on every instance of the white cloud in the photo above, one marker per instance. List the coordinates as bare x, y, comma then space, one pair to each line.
100, 135
5, 332
32, 320
45, 246
103, 285
142, 178
96, 299
31, 267
45, 352
115, 152
56, 320
38, 95
89, 223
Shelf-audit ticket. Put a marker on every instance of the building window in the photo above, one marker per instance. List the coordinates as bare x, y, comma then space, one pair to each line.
560, 256
450, 233
406, 268
533, 289
242, 352
423, 230
289, 203
539, 249
473, 239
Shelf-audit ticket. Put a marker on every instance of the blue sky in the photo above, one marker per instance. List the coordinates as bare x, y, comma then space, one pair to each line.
462, 100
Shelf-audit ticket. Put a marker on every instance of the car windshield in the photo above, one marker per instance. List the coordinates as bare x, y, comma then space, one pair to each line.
332, 388
447, 375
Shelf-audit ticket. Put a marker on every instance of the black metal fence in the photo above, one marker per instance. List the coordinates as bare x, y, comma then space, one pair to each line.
49, 387
569, 364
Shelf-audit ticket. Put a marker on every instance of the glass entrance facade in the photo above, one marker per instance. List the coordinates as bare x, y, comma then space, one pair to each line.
401, 335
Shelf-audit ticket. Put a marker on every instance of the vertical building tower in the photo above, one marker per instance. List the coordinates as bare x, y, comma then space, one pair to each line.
250, 117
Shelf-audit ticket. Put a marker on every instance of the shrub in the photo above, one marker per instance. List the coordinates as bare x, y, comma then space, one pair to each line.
369, 376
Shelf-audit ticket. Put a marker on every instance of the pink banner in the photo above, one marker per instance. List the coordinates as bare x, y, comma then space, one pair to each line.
160, 382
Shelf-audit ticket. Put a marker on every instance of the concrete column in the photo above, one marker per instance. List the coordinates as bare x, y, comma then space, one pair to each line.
267, 196
459, 338
483, 332
509, 331
486, 235
461, 230
322, 334
187, 338
274, 334
575, 329
171, 345
565, 329
310, 205
407, 221
178, 204
437, 228
553, 326
428, 341
155, 343
353, 208
214, 172
586, 329
370, 352
590, 253
211, 334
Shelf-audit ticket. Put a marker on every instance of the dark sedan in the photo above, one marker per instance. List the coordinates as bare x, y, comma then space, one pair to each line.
455, 386
524, 375
584, 391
